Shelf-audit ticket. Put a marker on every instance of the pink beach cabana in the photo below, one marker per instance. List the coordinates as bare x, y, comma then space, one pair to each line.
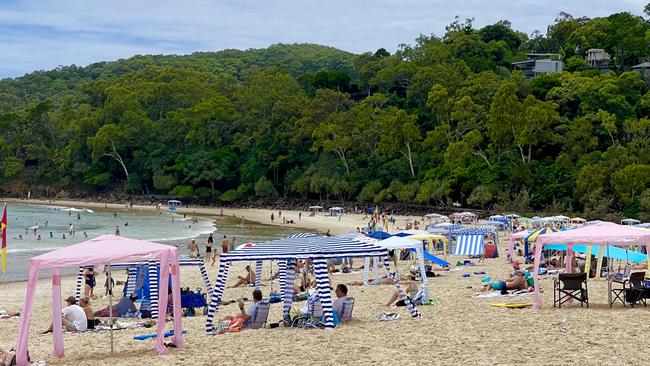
101, 251
601, 234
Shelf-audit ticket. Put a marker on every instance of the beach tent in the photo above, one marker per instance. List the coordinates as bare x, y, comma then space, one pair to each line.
397, 243
146, 289
315, 208
101, 251
379, 235
518, 236
645, 225
409, 232
602, 234
630, 222
334, 211
465, 217
318, 249
577, 221
469, 245
174, 204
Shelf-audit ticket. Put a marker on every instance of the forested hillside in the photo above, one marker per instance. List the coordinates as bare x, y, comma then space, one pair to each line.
445, 119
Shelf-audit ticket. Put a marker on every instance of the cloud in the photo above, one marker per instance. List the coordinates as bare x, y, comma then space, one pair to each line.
44, 34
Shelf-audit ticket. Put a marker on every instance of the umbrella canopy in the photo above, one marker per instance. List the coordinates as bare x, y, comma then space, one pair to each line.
533, 236
428, 236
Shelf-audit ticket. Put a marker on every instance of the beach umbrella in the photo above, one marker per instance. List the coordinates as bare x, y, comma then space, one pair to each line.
533, 236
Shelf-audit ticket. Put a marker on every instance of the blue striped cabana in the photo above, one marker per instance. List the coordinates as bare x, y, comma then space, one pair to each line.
469, 245
133, 283
317, 249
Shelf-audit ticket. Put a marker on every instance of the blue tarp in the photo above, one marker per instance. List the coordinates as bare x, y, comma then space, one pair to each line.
432, 258
614, 252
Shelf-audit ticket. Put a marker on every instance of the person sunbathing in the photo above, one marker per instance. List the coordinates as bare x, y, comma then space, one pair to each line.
245, 316
412, 289
125, 306
73, 317
4, 314
515, 282
248, 279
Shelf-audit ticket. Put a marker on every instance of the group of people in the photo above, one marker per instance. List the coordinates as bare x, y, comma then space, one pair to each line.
211, 254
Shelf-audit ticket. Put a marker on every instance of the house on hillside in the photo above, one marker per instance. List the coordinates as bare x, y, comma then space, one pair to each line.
540, 63
644, 70
597, 58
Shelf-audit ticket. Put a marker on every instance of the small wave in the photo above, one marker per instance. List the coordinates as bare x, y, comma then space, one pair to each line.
27, 250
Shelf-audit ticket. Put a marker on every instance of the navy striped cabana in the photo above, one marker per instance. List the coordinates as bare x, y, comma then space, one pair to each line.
287, 251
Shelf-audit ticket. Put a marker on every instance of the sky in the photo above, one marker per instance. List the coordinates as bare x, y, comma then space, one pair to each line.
44, 34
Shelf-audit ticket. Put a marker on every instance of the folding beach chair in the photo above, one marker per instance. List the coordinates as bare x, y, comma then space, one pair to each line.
313, 318
631, 290
258, 320
570, 286
346, 309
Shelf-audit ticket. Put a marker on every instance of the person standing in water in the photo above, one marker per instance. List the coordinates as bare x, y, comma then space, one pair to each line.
117, 231
194, 249
272, 217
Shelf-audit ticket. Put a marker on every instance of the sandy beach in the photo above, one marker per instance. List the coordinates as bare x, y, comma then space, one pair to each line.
461, 329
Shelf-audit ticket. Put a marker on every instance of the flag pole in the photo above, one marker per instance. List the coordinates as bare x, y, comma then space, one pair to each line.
3, 246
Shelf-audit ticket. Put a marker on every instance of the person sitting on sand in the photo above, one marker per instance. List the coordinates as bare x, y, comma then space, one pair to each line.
248, 279
412, 289
84, 302
125, 306
244, 317
73, 317
515, 282
341, 292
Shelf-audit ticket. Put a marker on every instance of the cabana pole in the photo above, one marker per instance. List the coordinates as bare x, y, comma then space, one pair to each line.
110, 305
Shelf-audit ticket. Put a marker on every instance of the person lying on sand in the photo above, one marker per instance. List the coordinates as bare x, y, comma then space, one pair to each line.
244, 317
247, 279
73, 317
4, 314
126, 305
515, 282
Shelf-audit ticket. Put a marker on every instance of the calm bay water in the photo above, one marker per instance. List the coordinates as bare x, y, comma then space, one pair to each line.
53, 222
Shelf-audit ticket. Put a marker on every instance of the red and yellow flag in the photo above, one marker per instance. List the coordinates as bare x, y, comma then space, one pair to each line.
3, 231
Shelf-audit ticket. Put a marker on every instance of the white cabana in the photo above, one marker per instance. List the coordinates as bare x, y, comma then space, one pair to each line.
315, 208
399, 243
630, 222
334, 211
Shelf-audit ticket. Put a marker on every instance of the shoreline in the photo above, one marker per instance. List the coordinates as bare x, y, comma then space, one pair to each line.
321, 222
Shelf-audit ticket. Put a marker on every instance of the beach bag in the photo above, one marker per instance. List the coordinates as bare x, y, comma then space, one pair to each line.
274, 297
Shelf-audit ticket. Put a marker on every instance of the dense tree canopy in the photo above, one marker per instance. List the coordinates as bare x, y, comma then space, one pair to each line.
443, 120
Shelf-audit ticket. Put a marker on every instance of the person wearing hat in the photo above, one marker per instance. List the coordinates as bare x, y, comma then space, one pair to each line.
73, 317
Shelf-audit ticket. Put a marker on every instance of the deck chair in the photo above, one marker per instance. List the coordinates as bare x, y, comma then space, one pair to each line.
258, 320
313, 318
346, 309
630, 290
570, 286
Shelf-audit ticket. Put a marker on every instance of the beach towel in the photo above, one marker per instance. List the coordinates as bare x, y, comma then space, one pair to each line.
498, 294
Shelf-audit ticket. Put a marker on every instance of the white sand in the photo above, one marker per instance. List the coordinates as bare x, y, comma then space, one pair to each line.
461, 330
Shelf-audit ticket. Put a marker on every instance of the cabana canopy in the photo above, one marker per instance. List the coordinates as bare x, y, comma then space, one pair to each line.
318, 249
409, 232
630, 222
101, 251
598, 234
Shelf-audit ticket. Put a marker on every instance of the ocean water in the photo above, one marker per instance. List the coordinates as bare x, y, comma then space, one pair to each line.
53, 222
